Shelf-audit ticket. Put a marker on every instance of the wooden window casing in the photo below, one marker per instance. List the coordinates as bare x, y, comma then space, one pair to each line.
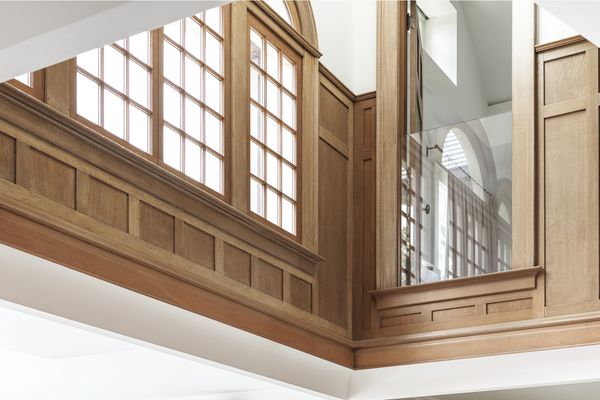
31, 83
282, 147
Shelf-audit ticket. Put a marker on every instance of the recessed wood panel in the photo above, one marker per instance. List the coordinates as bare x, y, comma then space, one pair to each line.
7, 157
236, 264
564, 78
404, 319
570, 194
333, 229
267, 278
510, 306
195, 245
107, 204
453, 313
300, 293
333, 114
50, 177
157, 227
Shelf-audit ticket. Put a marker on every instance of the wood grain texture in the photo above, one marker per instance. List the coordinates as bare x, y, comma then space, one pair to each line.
523, 128
509, 306
195, 245
104, 203
300, 293
333, 114
564, 78
236, 264
267, 278
8, 157
157, 227
48, 176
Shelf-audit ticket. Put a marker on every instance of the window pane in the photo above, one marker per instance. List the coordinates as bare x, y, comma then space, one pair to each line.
213, 91
193, 75
257, 160
256, 46
288, 216
173, 31
288, 145
193, 38
281, 8
89, 61
139, 46
212, 132
272, 170
256, 122
138, 128
288, 181
212, 18
172, 105
257, 199
213, 52
139, 79
171, 148
172, 64
193, 119
288, 110
272, 207
288, 74
272, 61
114, 114
272, 134
213, 172
114, 68
193, 160
88, 95
272, 98
256, 86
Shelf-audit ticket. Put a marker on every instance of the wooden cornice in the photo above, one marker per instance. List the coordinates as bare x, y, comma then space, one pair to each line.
559, 43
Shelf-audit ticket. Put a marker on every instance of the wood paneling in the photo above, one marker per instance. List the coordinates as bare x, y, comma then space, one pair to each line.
453, 313
47, 176
103, 202
157, 227
568, 172
267, 278
333, 114
300, 293
236, 264
364, 212
8, 157
195, 245
510, 306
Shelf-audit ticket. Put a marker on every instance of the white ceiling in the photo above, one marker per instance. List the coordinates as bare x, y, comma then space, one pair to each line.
44, 359
581, 16
580, 391
37, 34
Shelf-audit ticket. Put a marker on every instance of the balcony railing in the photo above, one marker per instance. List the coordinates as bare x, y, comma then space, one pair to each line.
456, 201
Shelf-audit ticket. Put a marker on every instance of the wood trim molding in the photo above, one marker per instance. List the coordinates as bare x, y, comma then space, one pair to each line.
337, 82
494, 283
365, 96
166, 185
559, 43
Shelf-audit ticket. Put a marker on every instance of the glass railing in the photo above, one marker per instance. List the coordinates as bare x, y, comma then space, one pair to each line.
456, 201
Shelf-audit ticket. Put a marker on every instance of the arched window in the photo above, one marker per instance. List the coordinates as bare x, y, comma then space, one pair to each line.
281, 7
453, 155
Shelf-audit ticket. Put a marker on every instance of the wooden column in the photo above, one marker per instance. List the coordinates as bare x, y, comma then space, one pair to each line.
523, 159
391, 123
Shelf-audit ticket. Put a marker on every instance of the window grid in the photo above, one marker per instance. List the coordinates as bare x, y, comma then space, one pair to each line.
198, 119
133, 122
273, 73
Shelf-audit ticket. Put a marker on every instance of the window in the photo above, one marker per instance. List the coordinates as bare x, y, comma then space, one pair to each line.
31, 83
114, 89
26, 79
193, 91
281, 8
274, 71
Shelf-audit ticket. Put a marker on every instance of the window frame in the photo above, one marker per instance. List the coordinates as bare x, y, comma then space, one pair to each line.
285, 44
38, 90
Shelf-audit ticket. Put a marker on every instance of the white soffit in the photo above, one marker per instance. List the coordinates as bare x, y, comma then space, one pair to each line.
131, 339
581, 16
37, 34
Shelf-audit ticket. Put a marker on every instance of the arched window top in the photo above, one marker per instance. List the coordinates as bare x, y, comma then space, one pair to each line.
281, 7
453, 156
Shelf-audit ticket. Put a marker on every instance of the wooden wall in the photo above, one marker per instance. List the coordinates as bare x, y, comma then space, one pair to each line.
567, 177
336, 120
364, 212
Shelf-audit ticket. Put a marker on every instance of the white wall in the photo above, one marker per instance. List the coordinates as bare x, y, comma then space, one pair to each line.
347, 38
550, 28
